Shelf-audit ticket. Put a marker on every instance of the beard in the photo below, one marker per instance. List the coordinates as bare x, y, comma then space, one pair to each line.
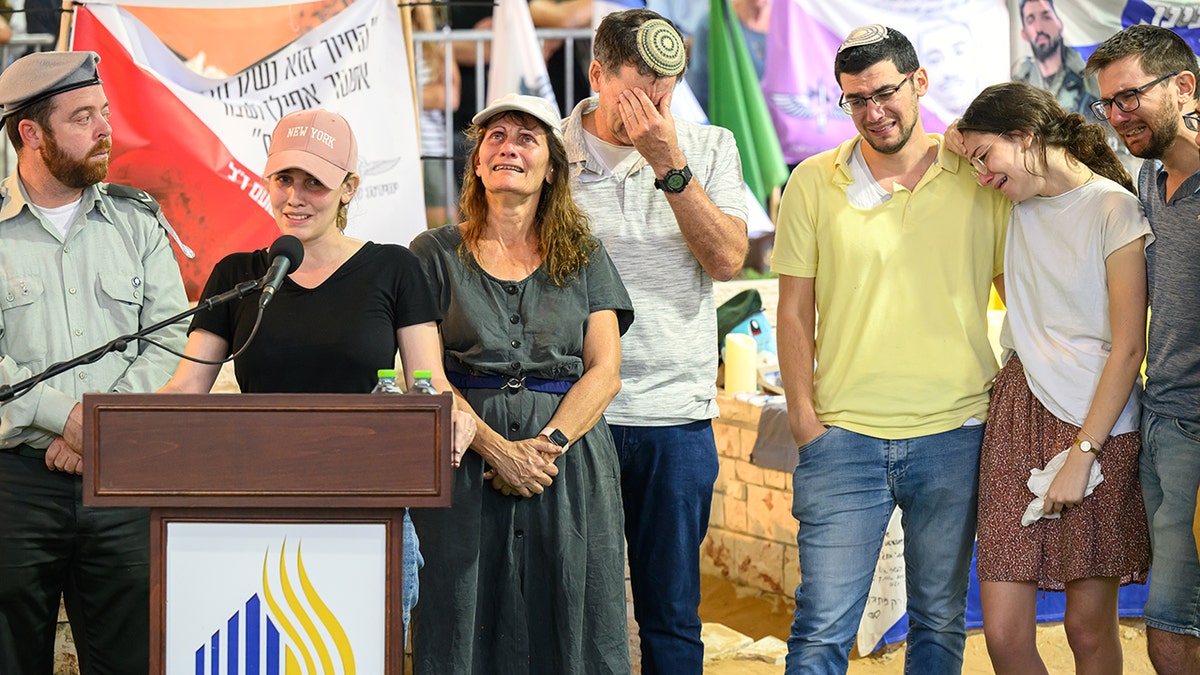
905, 133
1043, 52
1163, 131
75, 173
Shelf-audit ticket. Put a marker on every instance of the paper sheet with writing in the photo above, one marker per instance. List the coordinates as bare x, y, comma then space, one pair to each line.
887, 601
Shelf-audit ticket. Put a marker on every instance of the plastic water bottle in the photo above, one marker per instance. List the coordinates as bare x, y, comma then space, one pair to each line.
423, 382
387, 382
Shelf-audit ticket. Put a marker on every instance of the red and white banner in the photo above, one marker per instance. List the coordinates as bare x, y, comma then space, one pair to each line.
199, 144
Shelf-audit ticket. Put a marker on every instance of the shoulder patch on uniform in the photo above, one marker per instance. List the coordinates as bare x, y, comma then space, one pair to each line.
127, 192
149, 203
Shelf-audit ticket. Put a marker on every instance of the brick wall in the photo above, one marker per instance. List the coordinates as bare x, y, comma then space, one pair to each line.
751, 532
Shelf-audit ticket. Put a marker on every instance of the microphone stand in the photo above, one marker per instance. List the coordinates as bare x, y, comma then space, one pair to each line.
9, 392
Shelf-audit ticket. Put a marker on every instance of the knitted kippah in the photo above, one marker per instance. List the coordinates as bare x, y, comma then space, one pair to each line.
661, 48
864, 35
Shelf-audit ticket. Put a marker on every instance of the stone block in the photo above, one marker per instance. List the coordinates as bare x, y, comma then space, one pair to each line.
747, 439
716, 516
726, 473
768, 650
758, 563
748, 473
737, 413
778, 480
721, 641
716, 554
728, 440
735, 514
769, 514
791, 569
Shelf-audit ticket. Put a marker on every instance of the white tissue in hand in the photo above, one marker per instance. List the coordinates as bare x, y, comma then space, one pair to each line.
1040, 480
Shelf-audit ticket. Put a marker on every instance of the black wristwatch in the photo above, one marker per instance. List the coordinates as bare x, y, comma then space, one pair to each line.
675, 180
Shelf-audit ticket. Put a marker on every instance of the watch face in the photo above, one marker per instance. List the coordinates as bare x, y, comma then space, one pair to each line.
676, 181
559, 438
1085, 446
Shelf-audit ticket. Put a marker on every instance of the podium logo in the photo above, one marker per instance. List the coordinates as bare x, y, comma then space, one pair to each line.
289, 630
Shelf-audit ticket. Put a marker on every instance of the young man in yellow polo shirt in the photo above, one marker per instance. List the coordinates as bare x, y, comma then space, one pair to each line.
889, 240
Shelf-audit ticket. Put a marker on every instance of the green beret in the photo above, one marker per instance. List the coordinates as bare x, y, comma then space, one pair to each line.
38, 76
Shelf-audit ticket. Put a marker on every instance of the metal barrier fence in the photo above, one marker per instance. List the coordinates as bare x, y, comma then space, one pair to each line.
475, 100
16, 48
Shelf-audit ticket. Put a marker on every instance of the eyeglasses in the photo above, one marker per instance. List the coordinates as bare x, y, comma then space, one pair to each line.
1192, 121
859, 103
1127, 100
978, 163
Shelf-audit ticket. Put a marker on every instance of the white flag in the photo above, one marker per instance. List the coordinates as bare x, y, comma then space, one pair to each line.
518, 65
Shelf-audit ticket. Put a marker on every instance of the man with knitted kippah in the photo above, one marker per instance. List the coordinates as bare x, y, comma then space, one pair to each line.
666, 198
82, 262
886, 249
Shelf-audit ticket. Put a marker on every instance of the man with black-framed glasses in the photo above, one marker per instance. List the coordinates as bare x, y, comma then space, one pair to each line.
1147, 81
891, 242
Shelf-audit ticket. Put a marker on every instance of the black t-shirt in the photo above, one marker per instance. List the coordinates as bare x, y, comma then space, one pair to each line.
332, 338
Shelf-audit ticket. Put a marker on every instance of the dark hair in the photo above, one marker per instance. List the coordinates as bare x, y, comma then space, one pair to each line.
894, 47
1019, 106
38, 112
1021, 8
564, 234
1159, 50
615, 42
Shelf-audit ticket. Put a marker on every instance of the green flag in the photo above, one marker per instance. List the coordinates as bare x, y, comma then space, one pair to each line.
736, 102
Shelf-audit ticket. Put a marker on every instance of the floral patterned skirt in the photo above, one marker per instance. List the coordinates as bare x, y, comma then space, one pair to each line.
1105, 535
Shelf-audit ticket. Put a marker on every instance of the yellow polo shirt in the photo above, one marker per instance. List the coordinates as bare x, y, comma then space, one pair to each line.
901, 291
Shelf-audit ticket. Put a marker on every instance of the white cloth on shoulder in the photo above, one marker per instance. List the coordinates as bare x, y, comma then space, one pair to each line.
1040, 479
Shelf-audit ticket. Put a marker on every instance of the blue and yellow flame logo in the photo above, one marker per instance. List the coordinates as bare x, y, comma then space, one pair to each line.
294, 634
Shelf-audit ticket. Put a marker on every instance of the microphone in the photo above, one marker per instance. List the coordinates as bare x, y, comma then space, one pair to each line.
286, 255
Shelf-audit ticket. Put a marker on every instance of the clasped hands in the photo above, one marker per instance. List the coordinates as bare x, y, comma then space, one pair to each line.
525, 468
66, 451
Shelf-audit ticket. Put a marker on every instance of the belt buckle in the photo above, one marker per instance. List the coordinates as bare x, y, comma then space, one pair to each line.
514, 384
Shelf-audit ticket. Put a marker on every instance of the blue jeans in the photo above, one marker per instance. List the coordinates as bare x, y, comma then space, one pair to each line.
845, 488
1170, 471
667, 476
412, 563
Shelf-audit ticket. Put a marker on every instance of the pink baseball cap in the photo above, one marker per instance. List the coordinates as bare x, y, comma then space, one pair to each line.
317, 141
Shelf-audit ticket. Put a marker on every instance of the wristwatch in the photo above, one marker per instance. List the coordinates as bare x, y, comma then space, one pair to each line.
1086, 445
556, 437
675, 180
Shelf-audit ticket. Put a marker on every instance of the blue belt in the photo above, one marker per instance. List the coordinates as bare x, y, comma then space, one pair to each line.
510, 383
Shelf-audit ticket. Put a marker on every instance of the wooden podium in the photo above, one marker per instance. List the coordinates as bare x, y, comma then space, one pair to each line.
268, 458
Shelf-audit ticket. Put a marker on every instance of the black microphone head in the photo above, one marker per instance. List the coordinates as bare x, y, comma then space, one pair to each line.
288, 247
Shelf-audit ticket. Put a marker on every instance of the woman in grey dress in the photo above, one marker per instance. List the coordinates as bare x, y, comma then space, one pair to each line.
525, 572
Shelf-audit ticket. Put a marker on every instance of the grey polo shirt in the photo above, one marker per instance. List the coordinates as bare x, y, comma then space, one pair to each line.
1173, 266
669, 355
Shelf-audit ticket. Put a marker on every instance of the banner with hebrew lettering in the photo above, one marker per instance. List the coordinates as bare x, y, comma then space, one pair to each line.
956, 41
199, 144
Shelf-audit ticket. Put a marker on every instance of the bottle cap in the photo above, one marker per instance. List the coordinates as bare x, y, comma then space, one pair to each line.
387, 373
422, 374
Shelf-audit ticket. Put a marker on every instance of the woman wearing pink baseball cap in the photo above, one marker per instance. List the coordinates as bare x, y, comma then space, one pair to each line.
341, 315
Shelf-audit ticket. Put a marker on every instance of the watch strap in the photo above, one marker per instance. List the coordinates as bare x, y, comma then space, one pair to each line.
556, 437
674, 176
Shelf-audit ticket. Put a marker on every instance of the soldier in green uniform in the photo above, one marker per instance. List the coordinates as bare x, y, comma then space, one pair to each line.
81, 263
